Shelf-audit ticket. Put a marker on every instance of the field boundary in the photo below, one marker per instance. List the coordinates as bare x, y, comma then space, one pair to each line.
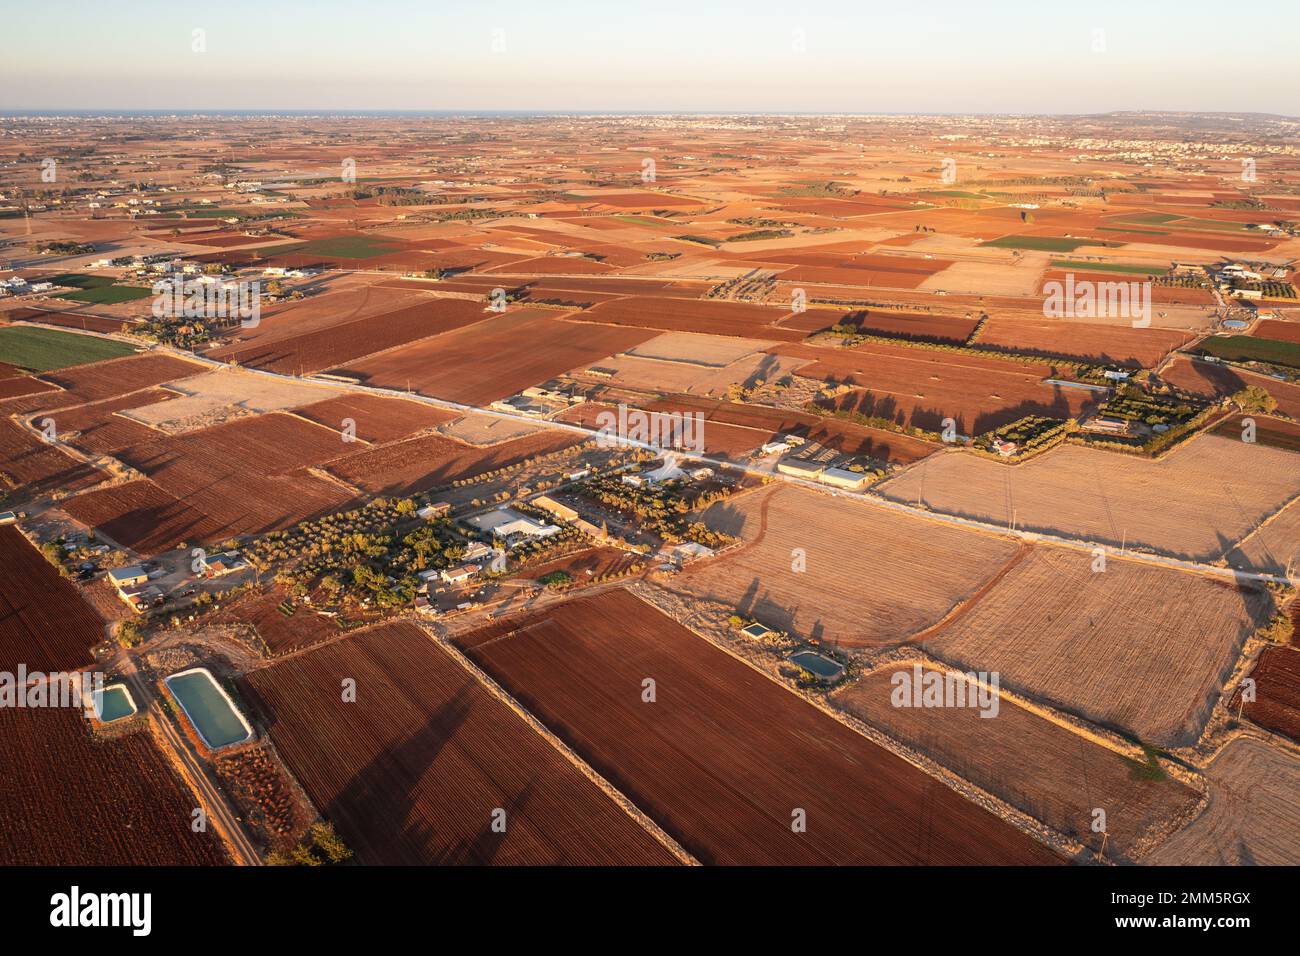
616, 795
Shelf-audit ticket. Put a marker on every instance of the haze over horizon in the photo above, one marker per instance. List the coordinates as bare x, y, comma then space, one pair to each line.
674, 57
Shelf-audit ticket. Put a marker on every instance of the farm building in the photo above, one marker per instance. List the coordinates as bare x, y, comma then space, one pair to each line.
130, 576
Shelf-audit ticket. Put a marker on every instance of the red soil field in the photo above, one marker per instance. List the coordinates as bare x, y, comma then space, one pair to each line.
1101, 344
68, 799
845, 436
411, 773
918, 386
418, 464
44, 623
1278, 330
597, 561
16, 385
377, 419
141, 516
1277, 692
30, 464
496, 357
248, 475
720, 440
95, 429
918, 327
73, 320
1217, 381
694, 315
280, 632
337, 345
108, 379
724, 756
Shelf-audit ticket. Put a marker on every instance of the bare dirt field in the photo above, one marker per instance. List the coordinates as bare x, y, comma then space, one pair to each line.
411, 772
872, 577
724, 757
221, 395
1034, 763
1252, 818
1136, 647
496, 358
1191, 503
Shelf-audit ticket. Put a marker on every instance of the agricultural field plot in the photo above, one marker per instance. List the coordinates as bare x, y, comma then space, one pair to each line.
724, 755
44, 623
213, 397
873, 577
917, 327
1191, 503
429, 461
141, 516
495, 358
109, 379
1277, 692
30, 465
13, 383
1279, 331
1217, 381
320, 349
921, 387
374, 418
1032, 762
707, 316
720, 440
1097, 344
709, 351
411, 773
97, 428
1136, 647
583, 566
1251, 348
479, 428
43, 350
1252, 818
78, 801
282, 625
109, 294
630, 371
843, 435
247, 476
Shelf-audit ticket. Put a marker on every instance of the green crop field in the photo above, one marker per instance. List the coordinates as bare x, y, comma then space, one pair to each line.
1041, 243
1248, 348
1150, 219
42, 350
79, 281
346, 247
109, 294
1144, 232
1125, 267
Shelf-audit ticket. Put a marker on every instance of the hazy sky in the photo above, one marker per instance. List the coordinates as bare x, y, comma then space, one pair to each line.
864, 56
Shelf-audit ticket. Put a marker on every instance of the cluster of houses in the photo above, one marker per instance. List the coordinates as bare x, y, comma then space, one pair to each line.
17, 285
